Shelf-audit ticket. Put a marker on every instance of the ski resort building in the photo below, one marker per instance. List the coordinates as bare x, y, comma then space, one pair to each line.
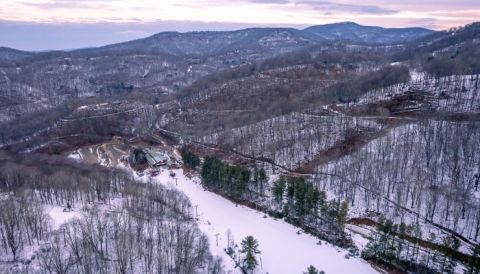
156, 158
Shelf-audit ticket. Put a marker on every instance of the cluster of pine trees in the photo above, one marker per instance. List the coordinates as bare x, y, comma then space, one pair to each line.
294, 198
302, 197
231, 179
189, 158
304, 205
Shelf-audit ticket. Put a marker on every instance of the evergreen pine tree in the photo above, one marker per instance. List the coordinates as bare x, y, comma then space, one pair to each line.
250, 250
262, 179
474, 265
313, 270
451, 243
343, 214
279, 189
311, 200
299, 197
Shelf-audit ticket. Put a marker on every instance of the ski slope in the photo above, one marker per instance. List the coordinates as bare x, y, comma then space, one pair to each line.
283, 250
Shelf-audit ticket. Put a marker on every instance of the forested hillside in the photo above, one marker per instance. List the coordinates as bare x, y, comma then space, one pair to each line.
342, 132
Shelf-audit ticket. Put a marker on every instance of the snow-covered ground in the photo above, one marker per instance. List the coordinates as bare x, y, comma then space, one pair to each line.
283, 250
59, 216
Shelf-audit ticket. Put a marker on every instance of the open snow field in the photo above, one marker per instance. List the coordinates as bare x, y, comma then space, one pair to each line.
283, 251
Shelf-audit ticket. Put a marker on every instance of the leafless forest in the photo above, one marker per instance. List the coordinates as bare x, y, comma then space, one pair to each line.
343, 139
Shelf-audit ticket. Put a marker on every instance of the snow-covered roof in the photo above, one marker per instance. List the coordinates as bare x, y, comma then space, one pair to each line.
155, 157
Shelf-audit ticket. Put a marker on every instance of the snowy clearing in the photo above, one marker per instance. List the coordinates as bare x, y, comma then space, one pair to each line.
284, 251
59, 216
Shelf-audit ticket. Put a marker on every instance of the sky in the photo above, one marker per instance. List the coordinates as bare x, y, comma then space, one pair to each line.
70, 24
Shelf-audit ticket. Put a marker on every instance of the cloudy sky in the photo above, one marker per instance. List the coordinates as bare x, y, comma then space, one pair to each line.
69, 24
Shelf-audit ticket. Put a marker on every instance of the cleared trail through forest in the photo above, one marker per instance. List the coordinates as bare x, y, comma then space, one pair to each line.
283, 248
351, 143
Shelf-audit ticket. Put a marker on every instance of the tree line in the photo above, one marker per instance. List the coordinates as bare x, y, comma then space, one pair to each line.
400, 246
303, 204
292, 198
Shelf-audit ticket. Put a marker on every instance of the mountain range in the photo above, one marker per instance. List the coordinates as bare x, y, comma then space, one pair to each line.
208, 43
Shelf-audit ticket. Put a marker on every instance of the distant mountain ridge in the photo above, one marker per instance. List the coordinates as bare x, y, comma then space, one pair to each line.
14, 54
356, 33
211, 42
260, 40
